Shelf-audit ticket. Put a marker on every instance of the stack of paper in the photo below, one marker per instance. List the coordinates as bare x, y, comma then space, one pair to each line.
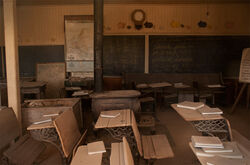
44, 121
210, 111
228, 147
190, 105
206, 142
96, 148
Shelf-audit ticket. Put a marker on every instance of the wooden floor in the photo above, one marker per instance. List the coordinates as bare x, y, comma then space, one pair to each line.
179, 133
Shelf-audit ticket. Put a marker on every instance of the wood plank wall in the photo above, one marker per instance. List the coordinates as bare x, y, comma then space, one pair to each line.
44, 25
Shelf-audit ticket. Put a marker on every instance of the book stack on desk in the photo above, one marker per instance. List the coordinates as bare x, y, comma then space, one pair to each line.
190, 105
210, 111
206, 142
213, 147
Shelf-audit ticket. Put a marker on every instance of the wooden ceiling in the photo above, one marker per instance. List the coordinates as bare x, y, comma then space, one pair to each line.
67, 2
56, 2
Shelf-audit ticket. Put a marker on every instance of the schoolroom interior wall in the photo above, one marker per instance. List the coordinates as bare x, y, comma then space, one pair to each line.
42, 27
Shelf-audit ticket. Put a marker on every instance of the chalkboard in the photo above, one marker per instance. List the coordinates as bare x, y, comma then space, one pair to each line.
29, 56
123, 54
195, 54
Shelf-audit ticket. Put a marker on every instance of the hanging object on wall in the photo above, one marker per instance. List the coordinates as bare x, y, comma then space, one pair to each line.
229, 25
202, 24
138, 16
107, 28
121, 25
129, 27
148, 24
175, 24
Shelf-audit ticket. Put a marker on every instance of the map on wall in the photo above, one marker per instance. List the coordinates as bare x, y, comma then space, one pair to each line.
79, 45
79, 40
245, 66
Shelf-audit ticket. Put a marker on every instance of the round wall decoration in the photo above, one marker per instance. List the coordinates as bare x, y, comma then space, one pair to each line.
138, 16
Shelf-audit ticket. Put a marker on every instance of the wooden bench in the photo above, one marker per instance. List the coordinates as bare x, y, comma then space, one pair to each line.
152, 146
121, 153
23, 151
149, 147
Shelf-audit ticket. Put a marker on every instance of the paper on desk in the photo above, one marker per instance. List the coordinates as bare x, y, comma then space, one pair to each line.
51, 115
190, 105
110, 115
44, 121
215, 86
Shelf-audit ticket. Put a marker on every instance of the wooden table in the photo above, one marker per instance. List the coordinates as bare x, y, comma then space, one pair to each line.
44, 132
116, 99
124, 119
37, 87
118, 127
158, 86
214, 125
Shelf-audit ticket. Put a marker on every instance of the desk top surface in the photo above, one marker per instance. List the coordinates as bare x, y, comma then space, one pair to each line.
194, 115
123, 119
159, 85
82, 157
41, 126
34, 84
116, 94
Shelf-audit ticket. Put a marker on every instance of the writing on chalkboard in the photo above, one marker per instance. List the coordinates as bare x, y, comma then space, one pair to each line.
245, 66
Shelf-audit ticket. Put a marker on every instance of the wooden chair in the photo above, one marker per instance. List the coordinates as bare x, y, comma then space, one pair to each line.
25, 150
152, 146
121, 153
69, 134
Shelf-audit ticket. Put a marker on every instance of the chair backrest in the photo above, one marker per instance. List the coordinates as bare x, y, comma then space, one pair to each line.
121, 153
68, 131
9, 127
136, 134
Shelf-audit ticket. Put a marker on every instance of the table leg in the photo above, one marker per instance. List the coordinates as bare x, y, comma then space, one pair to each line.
248, 95
239, 96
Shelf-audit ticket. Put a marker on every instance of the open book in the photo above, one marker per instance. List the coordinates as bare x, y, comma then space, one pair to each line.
190, 105
230, 151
